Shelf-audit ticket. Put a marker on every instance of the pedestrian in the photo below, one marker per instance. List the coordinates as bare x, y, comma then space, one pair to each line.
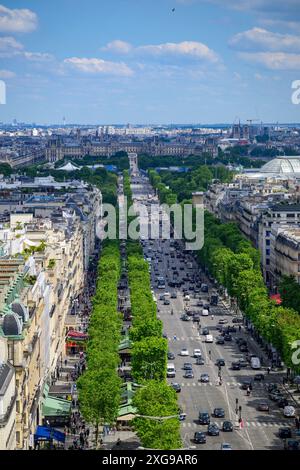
66, 362
175, 337
87, 432
268, 369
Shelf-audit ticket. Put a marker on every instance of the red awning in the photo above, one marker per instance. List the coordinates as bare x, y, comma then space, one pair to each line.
76, 335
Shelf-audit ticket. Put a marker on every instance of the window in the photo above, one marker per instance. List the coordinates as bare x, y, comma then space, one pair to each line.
10, 352
268, 242
268, 233
268, 261
289, 216
268, 252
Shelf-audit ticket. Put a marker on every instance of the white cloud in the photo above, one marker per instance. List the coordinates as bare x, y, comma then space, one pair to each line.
273, 60
186, 48
267, 40
99, 66
18, 20
9, 46
38, 56
118, 46
196, 50
6, 74
258, 76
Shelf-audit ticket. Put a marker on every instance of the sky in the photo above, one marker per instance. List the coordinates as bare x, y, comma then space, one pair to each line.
149, 61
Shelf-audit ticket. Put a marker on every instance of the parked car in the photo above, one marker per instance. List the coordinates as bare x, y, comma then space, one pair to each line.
237, 320
235, 365
171, 355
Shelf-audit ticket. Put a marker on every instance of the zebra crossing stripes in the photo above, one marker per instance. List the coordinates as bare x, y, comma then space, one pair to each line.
248, 424
210, 384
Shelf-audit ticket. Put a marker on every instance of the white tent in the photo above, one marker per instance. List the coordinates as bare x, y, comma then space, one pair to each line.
69, 167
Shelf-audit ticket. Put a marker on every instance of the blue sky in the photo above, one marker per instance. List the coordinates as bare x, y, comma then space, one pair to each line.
137, 61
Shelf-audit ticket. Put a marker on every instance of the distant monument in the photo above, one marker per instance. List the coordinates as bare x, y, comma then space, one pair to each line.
133, 163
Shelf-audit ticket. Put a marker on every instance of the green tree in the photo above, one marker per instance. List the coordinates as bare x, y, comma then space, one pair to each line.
157, 399
149, 359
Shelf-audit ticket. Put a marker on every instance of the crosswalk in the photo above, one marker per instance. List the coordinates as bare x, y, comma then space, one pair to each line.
247, 424
210, 384
182, 338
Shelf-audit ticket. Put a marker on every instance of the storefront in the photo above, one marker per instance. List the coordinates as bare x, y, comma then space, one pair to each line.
75, 342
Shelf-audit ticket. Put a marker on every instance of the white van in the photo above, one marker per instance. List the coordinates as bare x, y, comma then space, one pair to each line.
205, 312
209, 339
171, 371
255, 363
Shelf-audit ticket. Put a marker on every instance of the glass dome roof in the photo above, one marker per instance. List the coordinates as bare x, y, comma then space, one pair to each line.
282, 165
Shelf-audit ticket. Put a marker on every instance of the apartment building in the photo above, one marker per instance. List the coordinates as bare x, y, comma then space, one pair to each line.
285, 253
7, 401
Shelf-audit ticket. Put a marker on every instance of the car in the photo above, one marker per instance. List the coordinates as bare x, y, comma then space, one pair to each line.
185, 317
200, 361
165, 336
199, 437
219, 413
289, 411
186, 297
227, 337
247, 383
166, 302
209, 339
205, 312
162, 297
176, 387
204, 418
171, 355
231, 329
213, 430
282, 403
243, 363
184, 352
173, 295
227, 426
191, 288
243, 348
235, 365
263, 406
189, 374
237, 320
272, 387
205, 331
220, 340
259, 377
285, 433
220, 362
240, 341
204, 288
222, 321
292, 444
197, 353
187, 366
196, 317
226, 446
206, 306
276, 395
200, 303
204, 378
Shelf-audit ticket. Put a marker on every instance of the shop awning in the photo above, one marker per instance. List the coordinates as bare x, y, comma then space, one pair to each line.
44, 433
53, 406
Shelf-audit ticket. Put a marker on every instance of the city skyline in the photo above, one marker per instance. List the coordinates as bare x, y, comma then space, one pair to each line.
186, 61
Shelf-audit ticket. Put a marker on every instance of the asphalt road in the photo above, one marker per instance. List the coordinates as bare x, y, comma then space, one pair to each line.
259, 429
